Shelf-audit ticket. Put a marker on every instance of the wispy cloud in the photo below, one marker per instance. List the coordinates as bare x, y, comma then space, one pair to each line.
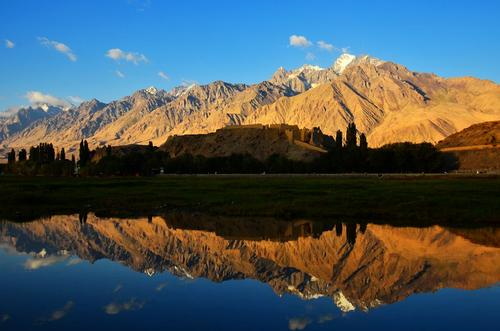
325, 318
37, 263
160, 287
163, 75
120, 74
9, 43
298, 323
117, 288
58, 46
325, 46
345, 49
299, 41
116, 307
118, 54
4, 318
141, 5
310, 56
75, 99
188, 82
74, 260
59, 313
38, 98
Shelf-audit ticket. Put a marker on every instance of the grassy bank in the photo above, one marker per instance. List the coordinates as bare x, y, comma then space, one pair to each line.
399, 200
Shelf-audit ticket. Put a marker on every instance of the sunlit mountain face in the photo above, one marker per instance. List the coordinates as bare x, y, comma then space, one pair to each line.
302, 273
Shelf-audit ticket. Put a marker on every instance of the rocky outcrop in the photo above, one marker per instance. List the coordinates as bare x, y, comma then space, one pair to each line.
476, 148
358, 266
257, 140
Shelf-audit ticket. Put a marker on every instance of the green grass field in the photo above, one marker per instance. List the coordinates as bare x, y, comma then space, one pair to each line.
415, 200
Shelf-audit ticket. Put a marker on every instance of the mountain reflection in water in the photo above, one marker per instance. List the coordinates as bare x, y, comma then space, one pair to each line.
358, 266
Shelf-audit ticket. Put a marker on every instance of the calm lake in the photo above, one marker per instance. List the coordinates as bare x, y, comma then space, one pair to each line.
193, 272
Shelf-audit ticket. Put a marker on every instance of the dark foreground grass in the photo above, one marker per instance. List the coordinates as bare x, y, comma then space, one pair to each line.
415, 200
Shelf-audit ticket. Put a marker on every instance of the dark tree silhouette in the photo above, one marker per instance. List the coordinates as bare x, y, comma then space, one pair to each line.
351, 138
11, 157
22, 155
62, 156
363, 144
338, 229
338, 140
84, 153
351, 233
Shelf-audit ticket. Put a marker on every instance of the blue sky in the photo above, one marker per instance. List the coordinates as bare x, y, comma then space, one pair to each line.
61, 48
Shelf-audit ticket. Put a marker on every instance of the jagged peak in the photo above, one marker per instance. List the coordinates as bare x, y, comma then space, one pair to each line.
342, 62
369, 60
309, 67
151, 90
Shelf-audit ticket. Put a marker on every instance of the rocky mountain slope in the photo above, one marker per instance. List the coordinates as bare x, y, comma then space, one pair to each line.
476, 147
358, 266
482, 134
387, 101
17, 120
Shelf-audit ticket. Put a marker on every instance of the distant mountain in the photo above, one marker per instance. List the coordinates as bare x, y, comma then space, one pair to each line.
16, 120
387, 101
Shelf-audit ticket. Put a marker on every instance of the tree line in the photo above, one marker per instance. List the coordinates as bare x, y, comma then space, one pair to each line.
343, 156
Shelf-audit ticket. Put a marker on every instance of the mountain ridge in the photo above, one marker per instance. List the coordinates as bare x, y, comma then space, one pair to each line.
387, 101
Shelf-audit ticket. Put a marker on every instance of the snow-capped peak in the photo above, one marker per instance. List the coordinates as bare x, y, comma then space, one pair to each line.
309, 67
370, 60
342, 302
152, 90
342, 62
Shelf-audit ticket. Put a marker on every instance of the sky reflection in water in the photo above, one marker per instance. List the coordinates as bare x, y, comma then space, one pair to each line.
188, 272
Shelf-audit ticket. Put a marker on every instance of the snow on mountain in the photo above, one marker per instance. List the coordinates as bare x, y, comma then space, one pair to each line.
152, 90
342, 62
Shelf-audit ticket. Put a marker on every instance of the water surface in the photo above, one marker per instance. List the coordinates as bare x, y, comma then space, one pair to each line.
192, 272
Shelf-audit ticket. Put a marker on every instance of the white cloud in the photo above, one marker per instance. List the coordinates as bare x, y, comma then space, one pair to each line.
37, 263
298, 323
299, 41
116, 308
345, 49
163, 75
117, 55
37, 98
310, 56
9, 44
60, 47
326, 46
120, 74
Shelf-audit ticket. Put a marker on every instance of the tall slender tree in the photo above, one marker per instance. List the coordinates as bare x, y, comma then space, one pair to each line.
363, 144
351, 138
62, 155
22, 155
11, 157
338, 140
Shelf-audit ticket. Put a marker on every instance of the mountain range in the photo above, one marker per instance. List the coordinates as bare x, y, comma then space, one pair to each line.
386, 100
